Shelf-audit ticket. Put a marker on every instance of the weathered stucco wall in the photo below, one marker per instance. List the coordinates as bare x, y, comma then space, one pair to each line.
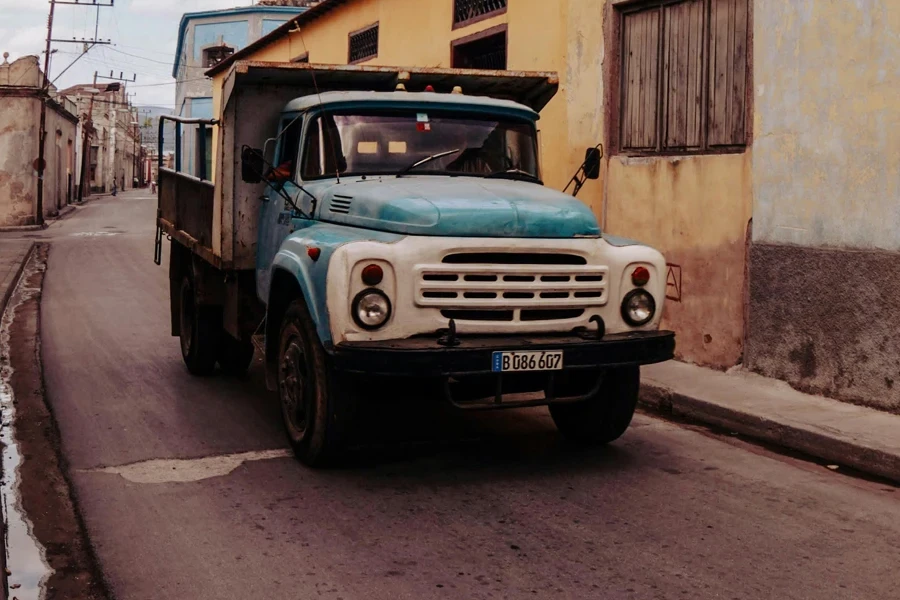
20, 109
18, 148
827, 170
60, 152
695, 210
824, 303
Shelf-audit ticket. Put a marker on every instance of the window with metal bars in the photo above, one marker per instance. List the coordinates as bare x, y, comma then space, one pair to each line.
485, 50
363, 44
467, 11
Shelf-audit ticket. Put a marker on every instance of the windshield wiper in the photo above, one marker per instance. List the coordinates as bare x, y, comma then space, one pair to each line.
426, 160
514, 174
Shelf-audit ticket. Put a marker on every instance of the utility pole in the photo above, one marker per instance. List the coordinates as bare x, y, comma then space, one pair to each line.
45, 95
113, 131
87, 136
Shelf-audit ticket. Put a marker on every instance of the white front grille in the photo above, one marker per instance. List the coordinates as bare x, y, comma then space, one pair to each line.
510, 287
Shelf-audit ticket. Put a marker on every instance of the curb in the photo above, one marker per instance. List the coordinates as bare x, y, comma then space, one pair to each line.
66, 211
21, 228
4, 300
865, 459
15, 280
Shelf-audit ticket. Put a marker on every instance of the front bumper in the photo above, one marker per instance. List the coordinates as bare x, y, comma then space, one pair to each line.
424, 357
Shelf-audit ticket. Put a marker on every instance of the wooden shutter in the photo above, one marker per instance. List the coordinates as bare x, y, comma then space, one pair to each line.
728, 72
683, 75
640, 80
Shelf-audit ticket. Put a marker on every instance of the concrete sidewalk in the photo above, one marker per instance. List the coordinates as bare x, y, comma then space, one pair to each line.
765, 409
13, 254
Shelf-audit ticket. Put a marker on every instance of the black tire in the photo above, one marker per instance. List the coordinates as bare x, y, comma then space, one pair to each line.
316, 406
234, 356
200, 332
606, 415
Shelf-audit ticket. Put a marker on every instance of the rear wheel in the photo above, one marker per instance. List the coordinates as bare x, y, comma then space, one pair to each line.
200, 327
606, 415
234, 356
315, 406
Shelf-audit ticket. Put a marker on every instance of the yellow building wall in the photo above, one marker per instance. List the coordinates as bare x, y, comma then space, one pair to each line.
695, 210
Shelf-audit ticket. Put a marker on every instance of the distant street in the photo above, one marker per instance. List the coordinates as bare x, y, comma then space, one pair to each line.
188, 491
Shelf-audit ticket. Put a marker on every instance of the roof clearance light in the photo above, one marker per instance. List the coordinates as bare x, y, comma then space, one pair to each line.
640, 277
429, 88
456, 90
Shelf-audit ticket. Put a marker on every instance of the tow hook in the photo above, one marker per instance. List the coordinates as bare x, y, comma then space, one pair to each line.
590, 335
449, 338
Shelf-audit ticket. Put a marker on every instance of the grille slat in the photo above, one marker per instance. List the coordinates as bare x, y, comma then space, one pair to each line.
506, 286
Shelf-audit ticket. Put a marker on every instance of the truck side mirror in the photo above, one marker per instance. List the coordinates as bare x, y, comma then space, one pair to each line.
252, 165
592, 163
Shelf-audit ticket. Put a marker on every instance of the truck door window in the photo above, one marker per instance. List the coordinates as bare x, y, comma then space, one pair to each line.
386, 142
322, 153
289, 147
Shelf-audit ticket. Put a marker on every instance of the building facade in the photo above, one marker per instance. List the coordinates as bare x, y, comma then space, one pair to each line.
752, 141
824, 262
204, 39
20, 93
113, 137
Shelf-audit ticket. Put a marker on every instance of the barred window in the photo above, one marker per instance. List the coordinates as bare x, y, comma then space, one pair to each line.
363, 44
469, 11
483, 50
685, 70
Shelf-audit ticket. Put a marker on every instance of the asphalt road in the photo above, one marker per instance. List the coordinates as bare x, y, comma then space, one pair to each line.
439, 505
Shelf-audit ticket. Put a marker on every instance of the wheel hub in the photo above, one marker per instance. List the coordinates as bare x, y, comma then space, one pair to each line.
294, 386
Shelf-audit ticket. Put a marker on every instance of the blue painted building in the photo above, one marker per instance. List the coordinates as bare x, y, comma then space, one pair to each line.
205, 38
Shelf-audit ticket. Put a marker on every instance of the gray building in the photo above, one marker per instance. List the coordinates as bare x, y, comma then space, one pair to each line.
204, 39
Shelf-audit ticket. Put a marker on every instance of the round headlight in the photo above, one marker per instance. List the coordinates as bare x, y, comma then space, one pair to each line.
371, 309
638, 308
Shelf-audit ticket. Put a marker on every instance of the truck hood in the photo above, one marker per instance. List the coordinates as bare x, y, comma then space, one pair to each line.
454, 206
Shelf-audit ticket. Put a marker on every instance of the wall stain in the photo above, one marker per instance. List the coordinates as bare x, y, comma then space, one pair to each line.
805, 358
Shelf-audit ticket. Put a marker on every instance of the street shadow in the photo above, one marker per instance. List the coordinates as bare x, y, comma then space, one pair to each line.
405, 433
419, 434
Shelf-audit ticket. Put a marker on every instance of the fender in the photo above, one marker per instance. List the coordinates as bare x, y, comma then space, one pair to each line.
310, 275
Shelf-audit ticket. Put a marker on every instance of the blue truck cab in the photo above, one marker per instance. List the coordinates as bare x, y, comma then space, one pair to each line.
407, 238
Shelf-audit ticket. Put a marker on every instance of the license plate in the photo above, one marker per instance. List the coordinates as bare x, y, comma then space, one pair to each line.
548, 360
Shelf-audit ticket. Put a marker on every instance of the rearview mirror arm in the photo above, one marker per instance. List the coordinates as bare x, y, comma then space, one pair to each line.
579, 179
287, 198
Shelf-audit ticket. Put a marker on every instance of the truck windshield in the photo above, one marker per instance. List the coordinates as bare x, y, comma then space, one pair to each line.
388, 143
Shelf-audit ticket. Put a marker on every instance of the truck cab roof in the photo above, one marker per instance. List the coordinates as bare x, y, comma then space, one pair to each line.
401, 98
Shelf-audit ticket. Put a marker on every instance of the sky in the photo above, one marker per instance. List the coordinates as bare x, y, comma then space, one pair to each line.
143, 34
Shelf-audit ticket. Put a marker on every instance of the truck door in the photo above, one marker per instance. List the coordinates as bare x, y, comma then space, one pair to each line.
275, 213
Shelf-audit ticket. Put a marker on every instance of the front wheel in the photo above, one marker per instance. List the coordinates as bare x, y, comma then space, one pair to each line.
606, 415
315, 405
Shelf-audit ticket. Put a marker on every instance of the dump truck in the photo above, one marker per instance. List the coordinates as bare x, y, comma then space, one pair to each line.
365, 228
